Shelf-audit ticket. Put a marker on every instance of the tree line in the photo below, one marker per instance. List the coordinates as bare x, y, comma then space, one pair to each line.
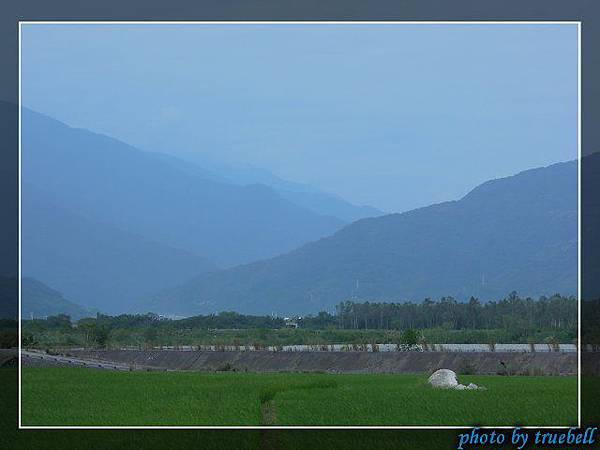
513, 319
513, 312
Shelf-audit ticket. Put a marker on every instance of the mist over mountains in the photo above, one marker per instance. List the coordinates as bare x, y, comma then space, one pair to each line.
122, 230
41, 301
303, 195
94, 262
516, 233
107, 224
107, 180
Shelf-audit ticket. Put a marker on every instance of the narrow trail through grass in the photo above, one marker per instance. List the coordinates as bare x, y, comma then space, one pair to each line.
267, 396
268, 410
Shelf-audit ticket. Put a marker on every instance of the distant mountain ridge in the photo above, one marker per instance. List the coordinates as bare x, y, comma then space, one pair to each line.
301, 194
96, 263
107, 180
515, 233
37, 300
133, 223
40, 301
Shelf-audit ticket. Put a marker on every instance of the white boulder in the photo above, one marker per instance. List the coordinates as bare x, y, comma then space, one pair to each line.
444, 379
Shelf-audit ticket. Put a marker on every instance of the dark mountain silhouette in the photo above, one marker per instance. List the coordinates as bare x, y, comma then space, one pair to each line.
96, 263
106, 180
590, 227
9, 297
9, 189
516, 233
39, 301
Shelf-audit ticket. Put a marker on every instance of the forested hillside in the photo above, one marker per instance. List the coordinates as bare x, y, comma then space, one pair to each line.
515, 233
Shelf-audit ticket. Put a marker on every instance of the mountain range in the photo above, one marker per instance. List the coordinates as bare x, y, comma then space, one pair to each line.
169, 201
108, 224
94, 262
301, 194
120, 229
515, 233
39, 300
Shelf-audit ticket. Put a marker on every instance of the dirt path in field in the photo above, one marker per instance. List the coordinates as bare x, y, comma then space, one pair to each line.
267, 412
268, 438
268, 409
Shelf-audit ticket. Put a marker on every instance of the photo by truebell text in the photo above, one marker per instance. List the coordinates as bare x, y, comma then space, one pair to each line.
520, 438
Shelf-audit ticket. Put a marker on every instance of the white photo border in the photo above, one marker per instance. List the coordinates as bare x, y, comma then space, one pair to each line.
324, 22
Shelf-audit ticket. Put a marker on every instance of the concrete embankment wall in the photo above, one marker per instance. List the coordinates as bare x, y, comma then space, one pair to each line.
488, 363
8, 357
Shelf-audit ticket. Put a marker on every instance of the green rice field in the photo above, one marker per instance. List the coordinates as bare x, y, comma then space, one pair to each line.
77, 396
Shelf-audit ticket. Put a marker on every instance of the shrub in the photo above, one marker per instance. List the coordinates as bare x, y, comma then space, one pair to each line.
504, 369
225, 368
409, 341
29, 341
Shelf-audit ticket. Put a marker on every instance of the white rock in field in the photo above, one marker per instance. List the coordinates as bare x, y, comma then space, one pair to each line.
444, 379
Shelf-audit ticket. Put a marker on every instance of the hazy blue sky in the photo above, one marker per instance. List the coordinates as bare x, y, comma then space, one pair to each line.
396, 116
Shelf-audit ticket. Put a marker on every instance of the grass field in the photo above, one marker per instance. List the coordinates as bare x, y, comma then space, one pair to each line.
70, 396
